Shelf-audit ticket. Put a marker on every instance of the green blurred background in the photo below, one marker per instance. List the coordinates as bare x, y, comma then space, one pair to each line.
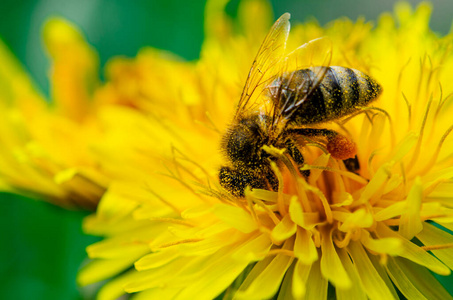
42, 246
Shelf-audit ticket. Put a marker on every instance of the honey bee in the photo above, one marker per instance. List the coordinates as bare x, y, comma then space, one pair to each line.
281, 99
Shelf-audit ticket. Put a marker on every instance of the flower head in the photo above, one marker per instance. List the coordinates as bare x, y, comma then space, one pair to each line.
366, 232
365, 225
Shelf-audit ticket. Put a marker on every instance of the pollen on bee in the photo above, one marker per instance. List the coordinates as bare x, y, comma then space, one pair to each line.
340, 147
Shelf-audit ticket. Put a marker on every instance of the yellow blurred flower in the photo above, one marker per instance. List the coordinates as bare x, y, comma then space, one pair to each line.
45, 146
147, 141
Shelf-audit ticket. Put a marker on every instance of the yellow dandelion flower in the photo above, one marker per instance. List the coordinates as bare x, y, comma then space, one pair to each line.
60, 150
368, 228
146, 144
46, 145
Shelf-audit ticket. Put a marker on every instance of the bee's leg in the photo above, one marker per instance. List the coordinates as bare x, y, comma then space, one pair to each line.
271, 178
232, 181
295, 154
339, 146
236, 180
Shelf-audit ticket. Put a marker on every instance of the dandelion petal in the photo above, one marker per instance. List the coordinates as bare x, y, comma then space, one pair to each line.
376, 183
156, 293
414, 252
102, 269
304, 247
235, 217
156, 259
268, 281
114, 289
305, 220
414, 281
317, 284
411, 223
216, 278
390, 246
300, 277
254, 249
284, 230
356, 291
331, 266
372, 282
285, 292
431, 235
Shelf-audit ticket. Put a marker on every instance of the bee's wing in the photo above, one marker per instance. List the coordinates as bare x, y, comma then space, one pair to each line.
265, 65
315, 55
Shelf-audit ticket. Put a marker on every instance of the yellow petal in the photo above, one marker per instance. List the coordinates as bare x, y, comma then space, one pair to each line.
74, 67
155, 293
255, 29
358, 219
161, 275
441, 189
114, 206
213, 282
372, 282
392, 246
304, 247
264, 195
355, 291
14, 81
438, 176
403, 148
322, 197
300, 277
320, 161
376, 183
342, 199
285, 291
119, 247
100, 270
331, 266
267, 282
449, 226
414, 252
433, 236
414, 281
307, 220
114, 288
253, 250
390, 211
235, 217
377, 263
411, 223
283, 230
156, 259
316, 284
210, 244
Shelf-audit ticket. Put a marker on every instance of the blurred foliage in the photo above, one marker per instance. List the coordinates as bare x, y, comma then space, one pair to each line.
42, 248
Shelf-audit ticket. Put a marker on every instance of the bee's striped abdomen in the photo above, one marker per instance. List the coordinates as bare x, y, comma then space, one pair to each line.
340, 92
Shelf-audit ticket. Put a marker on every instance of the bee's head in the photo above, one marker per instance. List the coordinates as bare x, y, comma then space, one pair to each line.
243, 142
